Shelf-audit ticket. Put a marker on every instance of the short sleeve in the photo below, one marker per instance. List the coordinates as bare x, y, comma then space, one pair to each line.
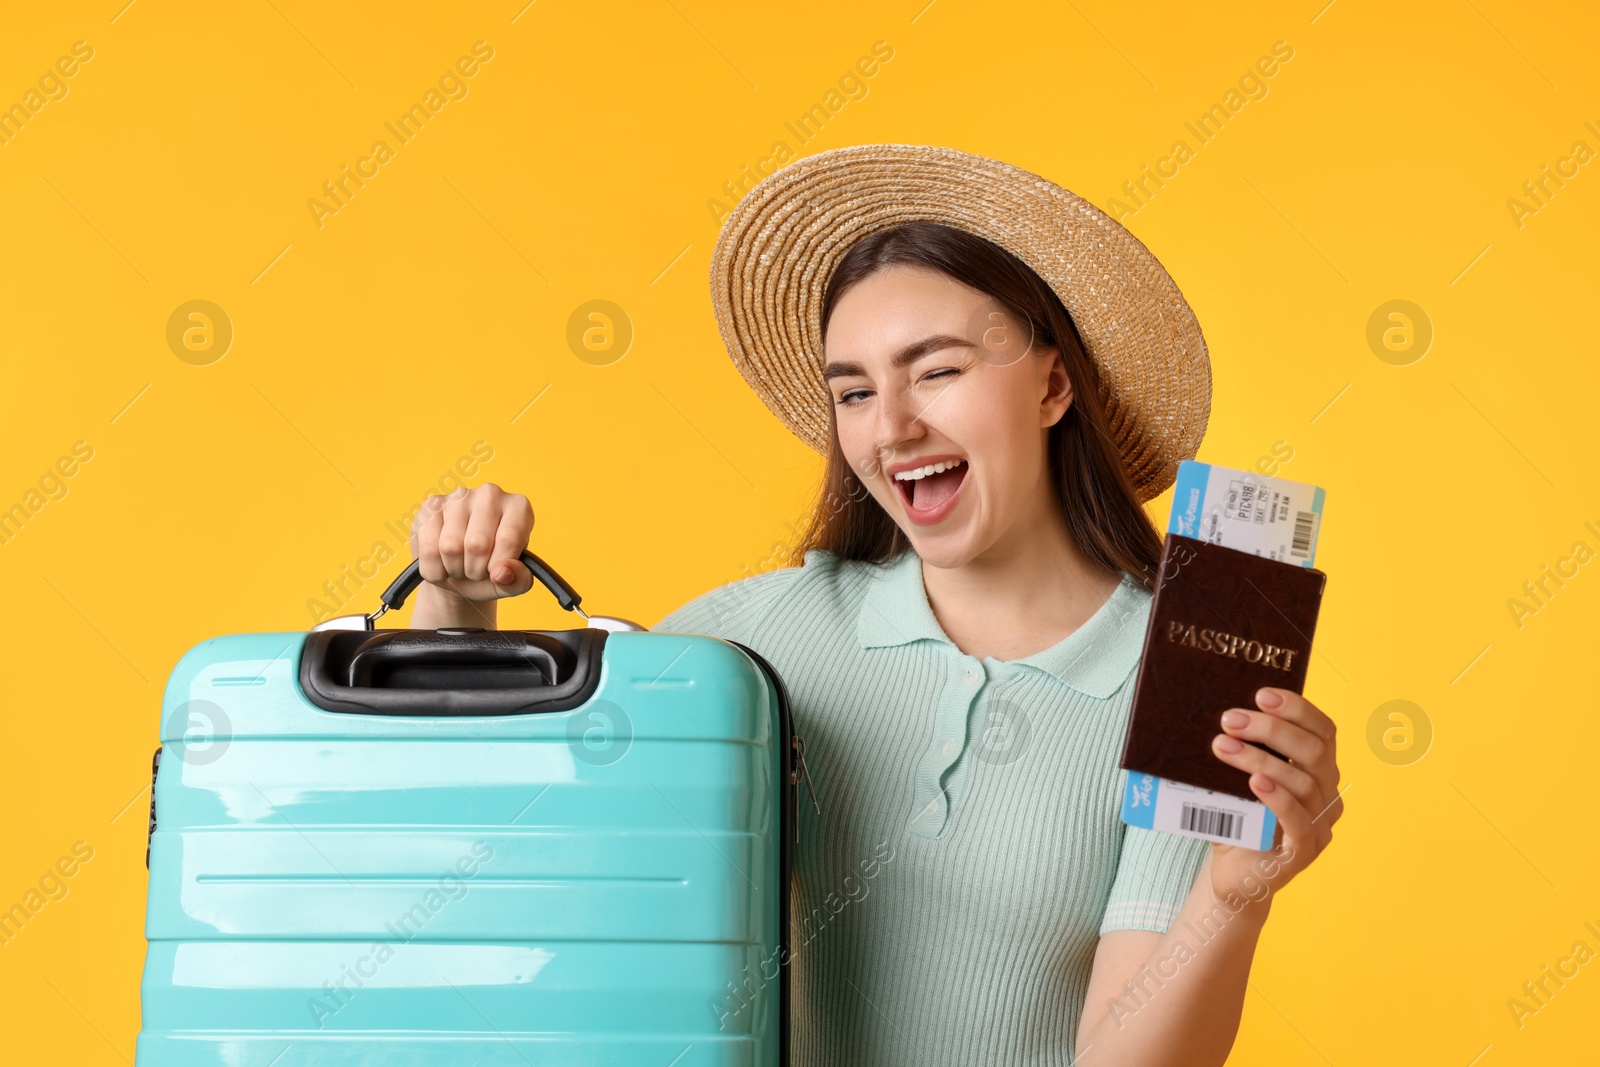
730, 611
1155, 873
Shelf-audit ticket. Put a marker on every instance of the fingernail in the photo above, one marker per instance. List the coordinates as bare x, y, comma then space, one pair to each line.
1228, 744
1234, 719
1268, 698
1263, 784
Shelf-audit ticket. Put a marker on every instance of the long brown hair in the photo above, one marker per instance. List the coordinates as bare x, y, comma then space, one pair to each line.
1091, 482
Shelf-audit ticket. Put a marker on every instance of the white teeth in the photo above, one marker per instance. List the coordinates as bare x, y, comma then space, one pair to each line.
923, 472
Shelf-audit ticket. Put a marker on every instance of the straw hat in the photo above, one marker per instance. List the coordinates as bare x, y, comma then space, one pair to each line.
780, 244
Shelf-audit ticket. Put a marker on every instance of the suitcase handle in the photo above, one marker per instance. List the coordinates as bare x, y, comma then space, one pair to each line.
453, 658
421, 673
411, 577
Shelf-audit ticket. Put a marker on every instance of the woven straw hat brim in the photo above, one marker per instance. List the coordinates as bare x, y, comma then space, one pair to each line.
781, 243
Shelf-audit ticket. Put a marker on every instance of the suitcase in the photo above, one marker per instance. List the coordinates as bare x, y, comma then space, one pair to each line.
514, 847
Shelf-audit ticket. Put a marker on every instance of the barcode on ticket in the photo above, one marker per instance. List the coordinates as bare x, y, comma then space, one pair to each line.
1300, 544
1211, 821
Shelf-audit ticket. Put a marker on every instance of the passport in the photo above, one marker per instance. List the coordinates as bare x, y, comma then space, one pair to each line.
1223, 623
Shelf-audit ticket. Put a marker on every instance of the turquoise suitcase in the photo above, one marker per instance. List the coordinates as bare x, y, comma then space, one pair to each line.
500, 848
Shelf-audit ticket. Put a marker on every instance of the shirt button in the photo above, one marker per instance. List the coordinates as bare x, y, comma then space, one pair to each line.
950, 748
973, 676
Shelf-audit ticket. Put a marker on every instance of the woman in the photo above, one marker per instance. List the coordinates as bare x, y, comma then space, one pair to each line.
1000, 376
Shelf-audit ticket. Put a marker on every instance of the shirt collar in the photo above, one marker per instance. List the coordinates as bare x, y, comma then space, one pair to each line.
1095, 659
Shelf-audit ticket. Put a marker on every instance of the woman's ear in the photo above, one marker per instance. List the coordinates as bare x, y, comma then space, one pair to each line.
1057, 391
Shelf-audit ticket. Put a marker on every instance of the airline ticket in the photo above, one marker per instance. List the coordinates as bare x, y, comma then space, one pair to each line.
1251, 512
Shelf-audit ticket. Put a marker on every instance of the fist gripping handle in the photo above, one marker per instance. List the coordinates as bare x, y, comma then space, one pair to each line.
411, 577
403, 586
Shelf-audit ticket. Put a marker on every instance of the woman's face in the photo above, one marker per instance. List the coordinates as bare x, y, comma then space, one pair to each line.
927, 372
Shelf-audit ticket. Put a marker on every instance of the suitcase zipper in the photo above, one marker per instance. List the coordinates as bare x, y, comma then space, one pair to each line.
155, 769
797, 768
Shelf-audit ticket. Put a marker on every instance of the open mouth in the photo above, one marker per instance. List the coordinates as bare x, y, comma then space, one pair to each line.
930, 491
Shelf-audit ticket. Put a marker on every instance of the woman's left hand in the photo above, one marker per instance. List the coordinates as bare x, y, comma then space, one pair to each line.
1303, 793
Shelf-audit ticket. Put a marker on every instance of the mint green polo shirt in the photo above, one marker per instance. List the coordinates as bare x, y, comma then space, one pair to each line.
947, 901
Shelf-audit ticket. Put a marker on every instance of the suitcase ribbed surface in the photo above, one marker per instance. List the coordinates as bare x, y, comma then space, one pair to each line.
590, 887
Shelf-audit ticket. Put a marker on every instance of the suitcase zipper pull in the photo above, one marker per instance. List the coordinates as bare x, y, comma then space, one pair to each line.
798, 745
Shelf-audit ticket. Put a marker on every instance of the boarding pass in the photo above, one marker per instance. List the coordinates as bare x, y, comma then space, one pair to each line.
1251, 512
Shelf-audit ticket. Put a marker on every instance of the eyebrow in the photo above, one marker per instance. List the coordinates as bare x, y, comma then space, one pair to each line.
907, 355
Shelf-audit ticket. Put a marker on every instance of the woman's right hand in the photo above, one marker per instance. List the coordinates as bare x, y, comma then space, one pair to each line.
467, 546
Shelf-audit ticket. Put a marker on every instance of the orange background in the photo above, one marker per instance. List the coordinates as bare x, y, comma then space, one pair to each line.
431, 312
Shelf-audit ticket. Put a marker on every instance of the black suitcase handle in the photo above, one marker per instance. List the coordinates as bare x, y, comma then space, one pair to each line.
458, 658
453, 671
411, 577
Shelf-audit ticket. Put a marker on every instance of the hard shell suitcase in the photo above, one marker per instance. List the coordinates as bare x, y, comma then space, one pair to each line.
418, 847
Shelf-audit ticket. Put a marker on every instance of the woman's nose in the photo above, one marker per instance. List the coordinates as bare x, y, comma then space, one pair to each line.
898, 422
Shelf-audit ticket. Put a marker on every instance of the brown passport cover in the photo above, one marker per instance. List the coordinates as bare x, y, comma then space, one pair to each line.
1258, 617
